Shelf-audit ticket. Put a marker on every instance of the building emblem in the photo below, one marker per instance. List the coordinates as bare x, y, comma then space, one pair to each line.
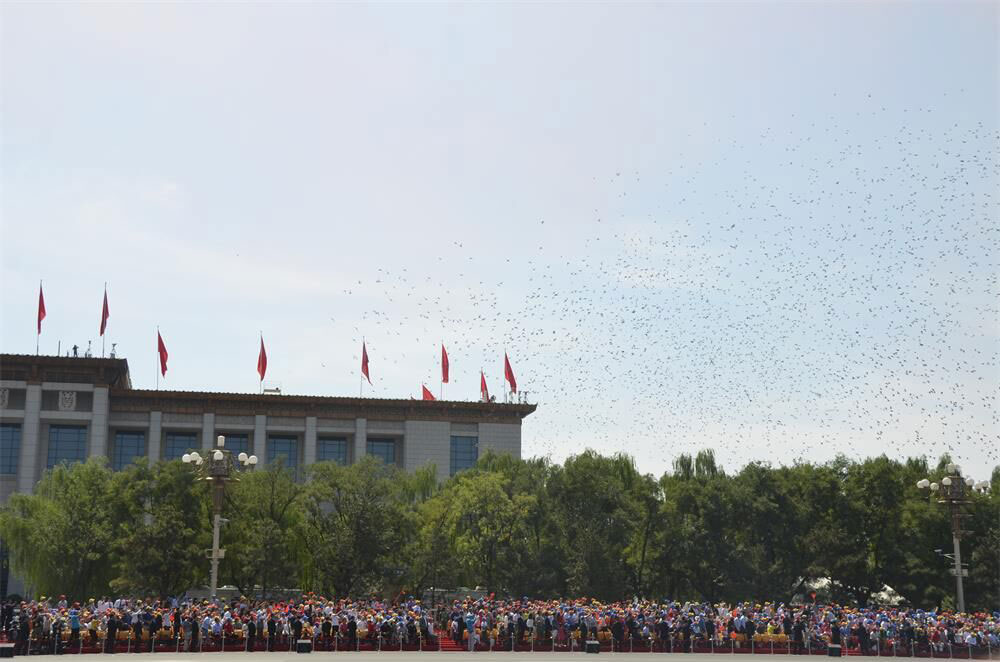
4, 397
67, 400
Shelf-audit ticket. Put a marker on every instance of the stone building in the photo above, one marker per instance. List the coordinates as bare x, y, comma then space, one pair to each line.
60, 409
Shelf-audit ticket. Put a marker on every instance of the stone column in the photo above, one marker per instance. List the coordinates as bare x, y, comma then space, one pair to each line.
98, 446
207, 431
309, 452
360, 439
260, 438
31, 447
155, 435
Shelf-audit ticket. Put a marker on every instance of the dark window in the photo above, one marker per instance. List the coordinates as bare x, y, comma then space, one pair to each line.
331, 449
178, 444
238, 443
67, 444
10, 448
464, 453
128, 447
383, 449
287, 448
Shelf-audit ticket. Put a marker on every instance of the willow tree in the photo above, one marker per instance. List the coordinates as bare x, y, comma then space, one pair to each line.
60, 538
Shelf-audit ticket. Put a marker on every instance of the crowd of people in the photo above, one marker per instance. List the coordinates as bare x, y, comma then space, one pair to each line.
135, 625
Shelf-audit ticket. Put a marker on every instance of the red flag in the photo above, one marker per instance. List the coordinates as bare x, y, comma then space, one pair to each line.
41, 308
104, 312
162, 349
508, 373
444, 364
364, 362
484, 392
262, 360
427, 395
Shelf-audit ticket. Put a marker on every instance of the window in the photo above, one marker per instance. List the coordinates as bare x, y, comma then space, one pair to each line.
287, 448
179, 443
238, 443
128, 446
67, 444
383, 449
10, 448
464, 453
331, 449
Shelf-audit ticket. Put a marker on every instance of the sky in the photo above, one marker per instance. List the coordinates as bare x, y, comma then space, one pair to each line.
766, 229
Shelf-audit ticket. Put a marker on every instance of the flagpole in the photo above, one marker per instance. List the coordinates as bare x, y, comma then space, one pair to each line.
361, 389
261, 386
441, 392
38, 336
102, 316
157, 358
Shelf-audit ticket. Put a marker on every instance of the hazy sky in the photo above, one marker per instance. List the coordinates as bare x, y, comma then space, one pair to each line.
769, 229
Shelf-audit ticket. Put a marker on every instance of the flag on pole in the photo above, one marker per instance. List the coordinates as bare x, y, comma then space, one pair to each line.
427, 395
364, 362
162, 350
508, 373
484, 392
41, 307
444, 364
105, 314
262, 360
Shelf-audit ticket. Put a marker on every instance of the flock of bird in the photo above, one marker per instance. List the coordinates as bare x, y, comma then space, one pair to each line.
807, 292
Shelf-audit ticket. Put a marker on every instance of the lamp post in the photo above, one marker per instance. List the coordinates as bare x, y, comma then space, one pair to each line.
218, 468
954, 492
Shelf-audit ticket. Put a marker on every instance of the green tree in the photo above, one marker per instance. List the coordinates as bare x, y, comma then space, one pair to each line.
162, 551
357, 521
694, 543
61, 538
595, 520
262, 539
481, 520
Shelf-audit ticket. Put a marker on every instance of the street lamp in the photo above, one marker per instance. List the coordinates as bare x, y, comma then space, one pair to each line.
218, 468
954, 491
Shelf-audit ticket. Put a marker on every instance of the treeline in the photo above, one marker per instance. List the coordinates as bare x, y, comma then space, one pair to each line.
591, 526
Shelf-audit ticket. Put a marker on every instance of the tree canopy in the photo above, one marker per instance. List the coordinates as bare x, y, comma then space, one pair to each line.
593, 525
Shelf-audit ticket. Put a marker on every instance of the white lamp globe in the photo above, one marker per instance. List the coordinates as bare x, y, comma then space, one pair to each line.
217, 455
220, 440
934, 487
186, 458
923, 484
252, 459
242, 457
970, 481
946, 481
952, 468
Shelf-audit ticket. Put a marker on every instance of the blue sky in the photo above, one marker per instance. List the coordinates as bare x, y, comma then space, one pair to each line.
769, 229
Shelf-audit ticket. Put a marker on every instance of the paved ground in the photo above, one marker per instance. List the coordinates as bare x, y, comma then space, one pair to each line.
445, 656
448, 656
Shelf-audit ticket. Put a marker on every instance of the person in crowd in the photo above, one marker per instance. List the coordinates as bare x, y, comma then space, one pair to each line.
498, 624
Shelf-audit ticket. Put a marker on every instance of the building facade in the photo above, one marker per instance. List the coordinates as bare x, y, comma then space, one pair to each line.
61, 409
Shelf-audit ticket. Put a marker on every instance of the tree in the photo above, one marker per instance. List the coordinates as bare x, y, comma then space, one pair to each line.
595, 520
263, 547
162, 551
60, 538
694, 544
356, 523
480, 520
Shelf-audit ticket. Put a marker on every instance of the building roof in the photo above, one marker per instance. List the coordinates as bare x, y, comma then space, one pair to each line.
124, 398
65, 369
